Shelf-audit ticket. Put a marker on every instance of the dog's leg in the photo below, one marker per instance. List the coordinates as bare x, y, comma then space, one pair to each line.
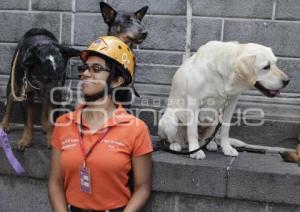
192, 128
5, 118
212, 145
27, 131
225, 141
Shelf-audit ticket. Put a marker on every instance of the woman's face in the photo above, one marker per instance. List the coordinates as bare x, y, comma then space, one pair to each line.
94, 81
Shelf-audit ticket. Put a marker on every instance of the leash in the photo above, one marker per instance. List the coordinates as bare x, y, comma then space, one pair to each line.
26, 81
9, 154
166, 147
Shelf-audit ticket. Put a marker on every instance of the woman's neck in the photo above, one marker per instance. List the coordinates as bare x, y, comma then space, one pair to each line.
98, 112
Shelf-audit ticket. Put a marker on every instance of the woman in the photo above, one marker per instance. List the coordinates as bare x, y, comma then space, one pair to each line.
98, 144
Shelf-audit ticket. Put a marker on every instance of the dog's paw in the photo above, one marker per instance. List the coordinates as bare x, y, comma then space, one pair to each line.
198, 155
23, 143
5, 127
175, 147
212, 146
230, 151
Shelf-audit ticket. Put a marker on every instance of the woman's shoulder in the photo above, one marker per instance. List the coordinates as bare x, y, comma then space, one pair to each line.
65, 117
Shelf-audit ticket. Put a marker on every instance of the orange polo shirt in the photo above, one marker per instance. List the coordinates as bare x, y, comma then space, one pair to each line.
109, 162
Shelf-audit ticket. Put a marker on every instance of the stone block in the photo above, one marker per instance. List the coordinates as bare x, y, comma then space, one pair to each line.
66, 29
282, 37
88, 28
6, 52
14, 5
154, 74
88, 6
53, 5
177, 173
287, 9
187, 203
165, 33
21, 194
158, 57
265, 178
14, 25
233, 8
204, 30
175, 7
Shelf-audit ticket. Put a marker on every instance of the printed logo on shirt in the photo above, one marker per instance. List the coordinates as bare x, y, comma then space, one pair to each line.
69, 143
113, 144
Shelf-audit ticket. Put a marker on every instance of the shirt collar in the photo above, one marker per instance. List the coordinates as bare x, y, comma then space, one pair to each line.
119, 116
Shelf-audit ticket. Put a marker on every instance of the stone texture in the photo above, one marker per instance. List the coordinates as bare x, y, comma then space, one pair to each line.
287, 9
87, 6
204, 30
53, 5
35, 160
264, 178
189, 175
66, 29
271, 133
164, 32
149, 74
22, 194
158, 57
174, 7
187, 203
19, 23
88, 28
6, 52
282, 37
291, 67
160, 202
14, 5
233, 8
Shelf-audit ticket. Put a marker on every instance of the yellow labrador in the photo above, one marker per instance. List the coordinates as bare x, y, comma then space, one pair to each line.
205, 90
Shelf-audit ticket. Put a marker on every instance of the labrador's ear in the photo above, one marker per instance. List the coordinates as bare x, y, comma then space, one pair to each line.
245, 69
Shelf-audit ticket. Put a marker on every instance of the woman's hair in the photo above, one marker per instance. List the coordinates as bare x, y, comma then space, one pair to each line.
123, 96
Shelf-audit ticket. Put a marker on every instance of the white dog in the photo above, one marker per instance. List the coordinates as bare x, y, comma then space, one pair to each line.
205, 90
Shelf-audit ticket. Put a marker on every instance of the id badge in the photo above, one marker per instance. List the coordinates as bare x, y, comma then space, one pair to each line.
85, 179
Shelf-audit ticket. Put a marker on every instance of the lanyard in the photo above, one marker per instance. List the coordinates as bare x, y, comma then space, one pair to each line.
84, 153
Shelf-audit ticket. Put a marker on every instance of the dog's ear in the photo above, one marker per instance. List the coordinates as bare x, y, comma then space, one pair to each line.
245, 69
31, 57
108, 13
68, 52
141, 12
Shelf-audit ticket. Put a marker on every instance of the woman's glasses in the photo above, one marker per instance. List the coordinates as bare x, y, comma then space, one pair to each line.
93, 68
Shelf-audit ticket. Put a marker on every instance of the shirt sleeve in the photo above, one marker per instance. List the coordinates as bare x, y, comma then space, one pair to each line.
143, 143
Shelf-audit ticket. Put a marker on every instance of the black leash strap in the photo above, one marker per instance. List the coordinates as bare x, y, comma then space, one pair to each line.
166, 147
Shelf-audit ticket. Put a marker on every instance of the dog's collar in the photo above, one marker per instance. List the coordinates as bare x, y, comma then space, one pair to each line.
26, 80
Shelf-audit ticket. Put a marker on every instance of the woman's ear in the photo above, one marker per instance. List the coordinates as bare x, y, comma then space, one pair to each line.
117, 82
245, 69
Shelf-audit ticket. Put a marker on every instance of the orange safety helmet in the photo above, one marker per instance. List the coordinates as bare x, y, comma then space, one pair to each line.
113, 48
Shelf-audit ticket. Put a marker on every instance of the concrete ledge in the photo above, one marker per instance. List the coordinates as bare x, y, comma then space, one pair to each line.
249, 177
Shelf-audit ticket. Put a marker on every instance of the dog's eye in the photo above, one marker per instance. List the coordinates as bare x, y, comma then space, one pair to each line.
267, 67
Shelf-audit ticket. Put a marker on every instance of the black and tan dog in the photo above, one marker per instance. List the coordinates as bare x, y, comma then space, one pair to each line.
38, 65
126, 26
292, 156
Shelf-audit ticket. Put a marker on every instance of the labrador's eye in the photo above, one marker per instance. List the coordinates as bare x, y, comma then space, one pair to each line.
267, 67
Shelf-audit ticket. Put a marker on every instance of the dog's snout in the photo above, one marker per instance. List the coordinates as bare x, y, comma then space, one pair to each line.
285, 82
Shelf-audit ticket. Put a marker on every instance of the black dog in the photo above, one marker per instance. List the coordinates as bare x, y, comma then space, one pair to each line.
38, 65
126, 26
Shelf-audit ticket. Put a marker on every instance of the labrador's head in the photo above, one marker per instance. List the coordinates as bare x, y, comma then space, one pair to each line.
256, 66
